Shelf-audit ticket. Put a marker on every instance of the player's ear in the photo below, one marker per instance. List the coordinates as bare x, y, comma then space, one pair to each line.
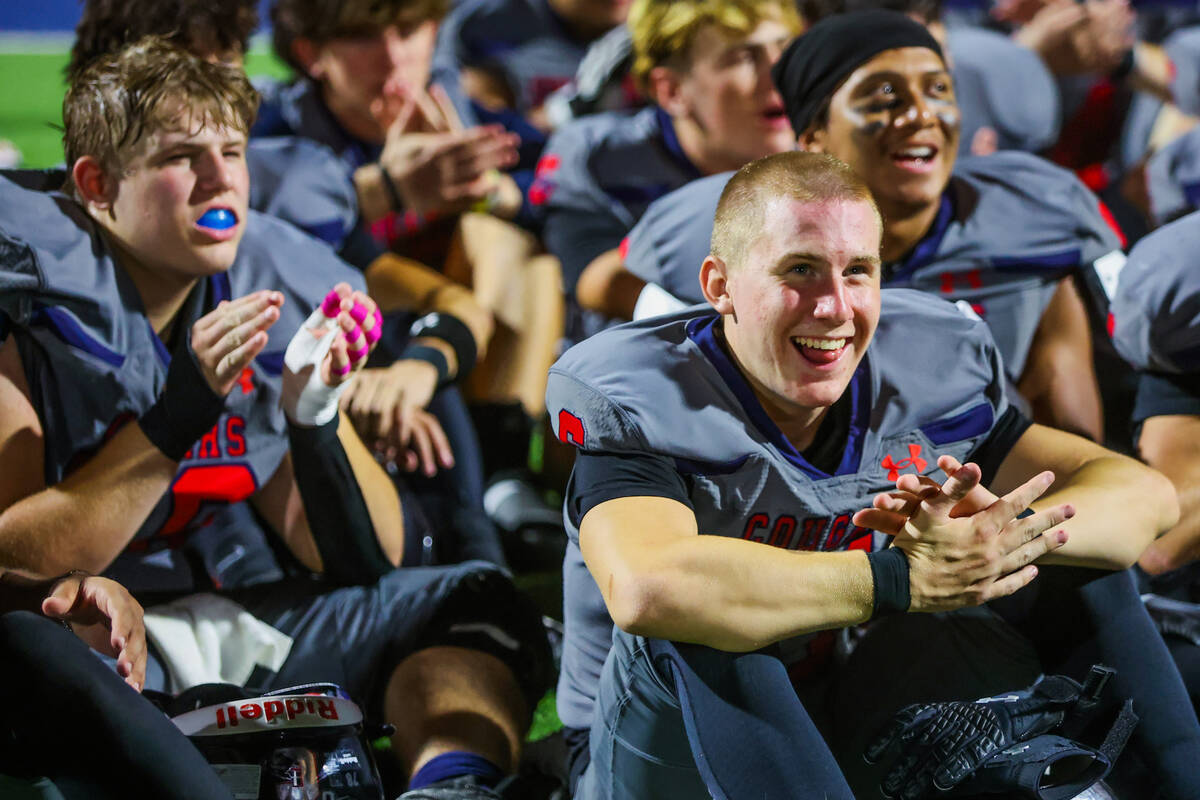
714, 283
308, 55
664, 85
93, 185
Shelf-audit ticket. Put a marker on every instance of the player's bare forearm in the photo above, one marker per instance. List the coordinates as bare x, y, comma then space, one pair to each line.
1121, 505
1152, 71
1171, 444
607, 286
401, 284
85, 521
660, 579
1059, 380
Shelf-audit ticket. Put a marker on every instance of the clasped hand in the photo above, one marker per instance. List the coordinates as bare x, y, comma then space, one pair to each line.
966, 546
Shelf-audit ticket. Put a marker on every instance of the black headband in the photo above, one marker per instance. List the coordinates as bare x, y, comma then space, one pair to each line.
815, 64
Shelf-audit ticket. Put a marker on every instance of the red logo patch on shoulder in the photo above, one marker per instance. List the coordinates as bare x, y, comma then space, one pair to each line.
570, 428
914, 460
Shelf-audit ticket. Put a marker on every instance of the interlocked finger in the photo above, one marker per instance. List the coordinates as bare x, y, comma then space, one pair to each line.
956, 487
1019, 499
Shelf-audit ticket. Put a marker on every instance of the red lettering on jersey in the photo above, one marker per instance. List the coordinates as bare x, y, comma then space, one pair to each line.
781, 534
973, 278
210, 445
837, 533
755, 522
235, 437
570, 428
811, 537
623, 248
863, 540
245, 381
914, 460
195, 485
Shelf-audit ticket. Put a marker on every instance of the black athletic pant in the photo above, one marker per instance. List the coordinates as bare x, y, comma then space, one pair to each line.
66, 715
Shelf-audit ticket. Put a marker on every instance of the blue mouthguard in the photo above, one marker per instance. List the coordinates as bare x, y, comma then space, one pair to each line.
218, 218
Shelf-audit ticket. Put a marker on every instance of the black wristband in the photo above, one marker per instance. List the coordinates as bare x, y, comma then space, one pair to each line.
390, 187
454, 332
186, 408
334, 503
430, 355
889, 579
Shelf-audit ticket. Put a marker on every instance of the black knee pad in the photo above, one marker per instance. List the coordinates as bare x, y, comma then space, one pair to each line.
486, 612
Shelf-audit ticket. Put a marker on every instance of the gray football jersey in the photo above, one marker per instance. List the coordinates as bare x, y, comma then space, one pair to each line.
596, 177
1173, 178
667, 387
304, 183
1156, 309
93, 362
521, 41
1005, 87
1009, 227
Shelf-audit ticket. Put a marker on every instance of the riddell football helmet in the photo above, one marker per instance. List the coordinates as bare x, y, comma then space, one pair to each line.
300, 743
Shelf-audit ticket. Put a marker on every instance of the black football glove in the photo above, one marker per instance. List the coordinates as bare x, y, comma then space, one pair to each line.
937, 745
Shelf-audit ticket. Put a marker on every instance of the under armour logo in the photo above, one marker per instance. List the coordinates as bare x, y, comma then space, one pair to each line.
914, 460
246, 380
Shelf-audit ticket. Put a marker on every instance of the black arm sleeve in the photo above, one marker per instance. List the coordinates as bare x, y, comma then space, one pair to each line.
995, 448
599, 477
336, 509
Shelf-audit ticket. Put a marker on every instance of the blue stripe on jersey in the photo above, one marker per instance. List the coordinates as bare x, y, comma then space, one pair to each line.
330, 231
925, 250
220, 287
66, 327
272, 363
700, 331
1066, 259
671, 142
975, 421
1191, 191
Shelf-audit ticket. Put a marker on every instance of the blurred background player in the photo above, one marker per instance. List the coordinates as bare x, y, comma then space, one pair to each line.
704, 66
507, 57
153, 272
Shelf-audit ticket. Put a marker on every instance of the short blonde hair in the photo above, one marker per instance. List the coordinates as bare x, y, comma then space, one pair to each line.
663, 30
796, 175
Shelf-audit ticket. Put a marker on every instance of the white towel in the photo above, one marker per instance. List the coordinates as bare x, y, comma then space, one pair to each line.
204, 638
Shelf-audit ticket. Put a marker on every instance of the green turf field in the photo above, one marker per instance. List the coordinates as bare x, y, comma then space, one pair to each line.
31, 111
